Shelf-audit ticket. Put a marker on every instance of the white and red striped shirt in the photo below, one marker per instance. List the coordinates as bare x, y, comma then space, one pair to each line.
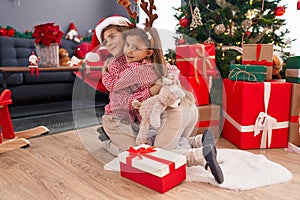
129, 83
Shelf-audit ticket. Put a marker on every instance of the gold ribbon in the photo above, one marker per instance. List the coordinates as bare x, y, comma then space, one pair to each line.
205, 59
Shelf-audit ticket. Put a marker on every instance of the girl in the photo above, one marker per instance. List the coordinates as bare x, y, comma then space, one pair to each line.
176, 123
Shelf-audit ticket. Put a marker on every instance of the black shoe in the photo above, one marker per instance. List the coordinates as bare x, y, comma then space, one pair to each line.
208, 139
102, 135
211, 162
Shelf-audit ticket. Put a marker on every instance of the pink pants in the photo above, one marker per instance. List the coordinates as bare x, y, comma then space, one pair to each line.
176, 123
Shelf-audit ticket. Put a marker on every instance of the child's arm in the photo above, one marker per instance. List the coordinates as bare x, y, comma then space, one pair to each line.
111, 74
142, 94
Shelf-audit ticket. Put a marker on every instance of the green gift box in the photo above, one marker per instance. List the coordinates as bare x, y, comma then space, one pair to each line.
251, 73
292, 72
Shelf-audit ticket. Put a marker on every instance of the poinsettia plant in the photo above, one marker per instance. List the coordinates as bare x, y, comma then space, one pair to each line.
48, 33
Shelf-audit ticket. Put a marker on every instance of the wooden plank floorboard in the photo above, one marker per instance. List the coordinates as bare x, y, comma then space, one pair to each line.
70, 166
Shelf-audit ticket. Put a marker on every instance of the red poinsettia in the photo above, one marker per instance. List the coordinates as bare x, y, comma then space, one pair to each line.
48, 33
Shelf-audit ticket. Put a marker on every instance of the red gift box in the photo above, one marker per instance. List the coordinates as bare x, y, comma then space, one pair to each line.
294, 130
198, 85
153, 167
196, 60
256, 114
209, 118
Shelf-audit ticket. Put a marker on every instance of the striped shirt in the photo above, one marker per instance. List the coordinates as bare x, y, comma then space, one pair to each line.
128, 84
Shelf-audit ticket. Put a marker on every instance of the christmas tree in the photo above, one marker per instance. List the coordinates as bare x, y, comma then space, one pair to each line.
229, 24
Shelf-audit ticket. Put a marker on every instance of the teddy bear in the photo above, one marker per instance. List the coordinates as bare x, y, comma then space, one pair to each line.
277, 65
170, 95
63, 57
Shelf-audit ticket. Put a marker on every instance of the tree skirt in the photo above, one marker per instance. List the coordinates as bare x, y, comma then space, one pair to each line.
242, 171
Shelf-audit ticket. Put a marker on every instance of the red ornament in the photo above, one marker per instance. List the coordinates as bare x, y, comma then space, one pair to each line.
180, 41
298, 5
184, 22
279, 11
248, 34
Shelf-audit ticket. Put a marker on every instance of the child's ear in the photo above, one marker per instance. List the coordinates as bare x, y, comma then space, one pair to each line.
150, 52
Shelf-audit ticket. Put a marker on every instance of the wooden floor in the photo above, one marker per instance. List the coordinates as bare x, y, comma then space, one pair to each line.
70, 166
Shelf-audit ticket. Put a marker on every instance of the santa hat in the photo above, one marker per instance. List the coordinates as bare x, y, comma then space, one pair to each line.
72, 27
103, 23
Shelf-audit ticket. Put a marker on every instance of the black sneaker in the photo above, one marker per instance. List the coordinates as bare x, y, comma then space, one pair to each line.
211, 161
208, 139
102, 135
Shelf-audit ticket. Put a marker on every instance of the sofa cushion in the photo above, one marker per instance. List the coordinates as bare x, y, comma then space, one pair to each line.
13, 80
15, 51
50, 77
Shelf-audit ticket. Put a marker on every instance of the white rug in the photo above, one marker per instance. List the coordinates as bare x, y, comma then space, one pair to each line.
242, 171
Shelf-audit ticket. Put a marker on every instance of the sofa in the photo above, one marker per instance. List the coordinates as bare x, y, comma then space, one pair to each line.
27, 89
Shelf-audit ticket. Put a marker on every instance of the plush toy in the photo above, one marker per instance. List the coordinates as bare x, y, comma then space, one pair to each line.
151, 109
63, 57
74, 62
33, 64
73, 34
277, 65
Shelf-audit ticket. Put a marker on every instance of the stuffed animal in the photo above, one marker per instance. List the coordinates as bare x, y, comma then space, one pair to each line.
73, 34
63, 57
277, 65
170, 95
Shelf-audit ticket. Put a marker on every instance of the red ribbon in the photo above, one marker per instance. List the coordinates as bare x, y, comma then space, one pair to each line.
207, 123
144, 152
294, 119
257, 62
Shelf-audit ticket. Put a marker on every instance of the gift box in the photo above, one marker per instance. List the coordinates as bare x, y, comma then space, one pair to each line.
294, 130
208, 118
199, 86
292, 72
256, 114
196, 60
153, 167
259, 54
252, 73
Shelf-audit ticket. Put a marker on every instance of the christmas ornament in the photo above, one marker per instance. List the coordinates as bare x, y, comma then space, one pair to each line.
220, 28
248, 34
253, 13
279, 11
298, 5
230, 30
196, 18
209, 40
246, 24
180, 41
184, 22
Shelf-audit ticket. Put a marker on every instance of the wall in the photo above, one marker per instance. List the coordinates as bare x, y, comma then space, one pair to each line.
22, 15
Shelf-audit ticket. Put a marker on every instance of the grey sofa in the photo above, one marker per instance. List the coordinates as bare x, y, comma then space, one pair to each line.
26, 89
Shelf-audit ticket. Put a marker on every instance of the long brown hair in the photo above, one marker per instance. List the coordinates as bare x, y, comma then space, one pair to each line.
150, 37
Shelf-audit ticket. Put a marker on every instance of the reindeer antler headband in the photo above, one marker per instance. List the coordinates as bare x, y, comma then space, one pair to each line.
148, 9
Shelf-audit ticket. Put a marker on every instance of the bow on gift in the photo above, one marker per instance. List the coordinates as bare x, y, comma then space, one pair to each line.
200, 54
144, 152
237, 71
257, 61
205, 59
265, 122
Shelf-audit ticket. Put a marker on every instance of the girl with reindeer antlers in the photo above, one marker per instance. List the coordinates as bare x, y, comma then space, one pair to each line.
118, 121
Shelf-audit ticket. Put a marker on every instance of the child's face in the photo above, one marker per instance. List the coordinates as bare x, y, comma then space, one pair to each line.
135, 49
113, 41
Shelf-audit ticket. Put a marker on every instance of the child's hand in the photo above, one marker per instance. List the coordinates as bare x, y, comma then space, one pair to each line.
105, 67
156, 87
141, 140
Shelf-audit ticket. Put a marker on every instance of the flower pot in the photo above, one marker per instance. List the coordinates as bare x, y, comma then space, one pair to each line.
48, 55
